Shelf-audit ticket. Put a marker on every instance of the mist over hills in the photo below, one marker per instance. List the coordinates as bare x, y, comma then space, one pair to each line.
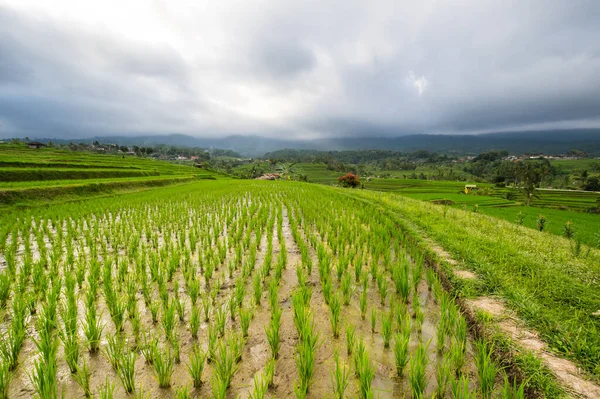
516, 142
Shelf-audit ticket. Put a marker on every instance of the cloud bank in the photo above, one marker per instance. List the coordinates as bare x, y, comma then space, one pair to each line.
296, 69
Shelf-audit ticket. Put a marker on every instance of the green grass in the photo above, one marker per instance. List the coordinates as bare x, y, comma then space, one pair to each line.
30, 177
41, 174
554, 291
35, 195
586, 225
318, 173
570, 165
559, 206
536, 273
415, 186
19, 156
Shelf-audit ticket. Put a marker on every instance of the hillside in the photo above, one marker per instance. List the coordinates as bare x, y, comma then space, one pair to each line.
517, 142
48, 174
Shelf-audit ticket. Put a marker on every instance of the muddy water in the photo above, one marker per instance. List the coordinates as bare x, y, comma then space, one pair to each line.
285, 369
256, 351
100, 369
386, 383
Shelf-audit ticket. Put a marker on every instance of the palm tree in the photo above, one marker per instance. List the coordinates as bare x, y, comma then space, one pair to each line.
286, 169
272, 163
581, 177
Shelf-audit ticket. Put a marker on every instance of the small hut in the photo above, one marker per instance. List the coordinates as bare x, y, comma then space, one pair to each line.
35, 145
269, 176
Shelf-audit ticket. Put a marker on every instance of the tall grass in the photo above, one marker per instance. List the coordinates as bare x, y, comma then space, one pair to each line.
43, 376
363, 304
245, 317
512, 391
461, 390
443, 376
106, 391
305, 363
486, 369
257, 287
92, 328
126, 370
83, 379
260, 388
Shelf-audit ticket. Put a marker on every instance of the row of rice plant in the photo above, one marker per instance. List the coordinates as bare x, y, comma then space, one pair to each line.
164, 293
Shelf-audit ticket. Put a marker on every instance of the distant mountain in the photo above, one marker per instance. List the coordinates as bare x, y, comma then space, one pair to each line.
549, 142
517, 142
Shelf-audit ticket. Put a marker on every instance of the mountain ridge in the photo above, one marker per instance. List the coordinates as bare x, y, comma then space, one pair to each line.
515, 142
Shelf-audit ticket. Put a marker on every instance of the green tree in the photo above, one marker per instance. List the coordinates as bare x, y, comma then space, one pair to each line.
581, 177
592, 184
286, 170
531, 174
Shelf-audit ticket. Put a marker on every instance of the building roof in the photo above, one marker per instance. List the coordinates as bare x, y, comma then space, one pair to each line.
269, 176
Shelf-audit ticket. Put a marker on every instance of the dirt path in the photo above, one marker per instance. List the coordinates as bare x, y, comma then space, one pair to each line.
565, 370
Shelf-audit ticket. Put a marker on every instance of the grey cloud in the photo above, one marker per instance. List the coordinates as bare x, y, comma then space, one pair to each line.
285, 59
313, 68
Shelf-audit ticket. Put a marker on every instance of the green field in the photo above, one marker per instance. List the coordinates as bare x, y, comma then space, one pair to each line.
336, 258
571, 165
287, 249
558, 206
541, 276
36, 176
40, 174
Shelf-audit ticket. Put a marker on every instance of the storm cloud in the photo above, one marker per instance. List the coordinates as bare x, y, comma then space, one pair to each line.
297, 69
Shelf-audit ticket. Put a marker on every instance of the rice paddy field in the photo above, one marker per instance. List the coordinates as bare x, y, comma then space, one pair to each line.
239, 289
559, 207
40, 176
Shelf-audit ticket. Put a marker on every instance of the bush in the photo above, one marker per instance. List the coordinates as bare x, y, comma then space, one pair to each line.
349, 180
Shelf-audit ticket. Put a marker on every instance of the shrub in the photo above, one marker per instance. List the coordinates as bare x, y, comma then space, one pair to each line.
349, 180
541, 222
569, 232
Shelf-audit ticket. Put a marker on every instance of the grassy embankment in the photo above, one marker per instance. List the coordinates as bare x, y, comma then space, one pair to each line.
548, 202
552, 286
39, 176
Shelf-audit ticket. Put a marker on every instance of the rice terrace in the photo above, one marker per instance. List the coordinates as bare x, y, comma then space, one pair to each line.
261, 199
210, 286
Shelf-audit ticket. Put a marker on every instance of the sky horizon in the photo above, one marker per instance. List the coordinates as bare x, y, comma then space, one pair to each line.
297, 70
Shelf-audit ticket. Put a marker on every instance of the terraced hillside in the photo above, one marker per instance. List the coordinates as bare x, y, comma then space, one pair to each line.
46, 174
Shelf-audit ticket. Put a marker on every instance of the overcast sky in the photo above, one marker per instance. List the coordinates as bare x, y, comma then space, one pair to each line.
296, 69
